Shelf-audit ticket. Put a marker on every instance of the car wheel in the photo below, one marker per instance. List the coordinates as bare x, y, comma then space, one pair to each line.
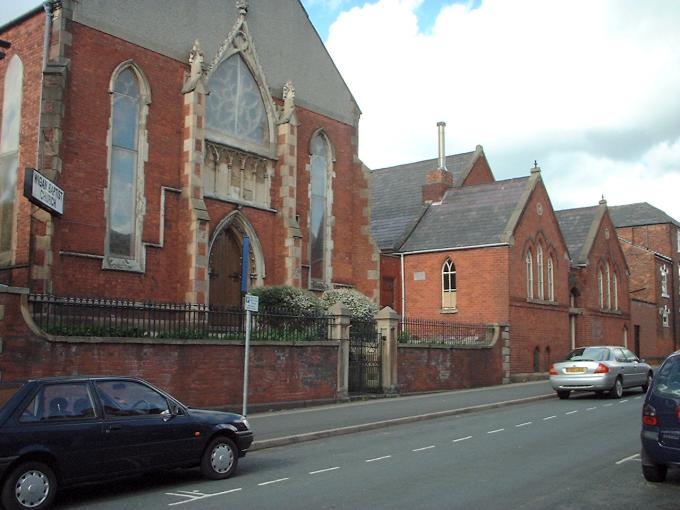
648, 383
220, 459
617, 389
654, 473
563, 394
30, 485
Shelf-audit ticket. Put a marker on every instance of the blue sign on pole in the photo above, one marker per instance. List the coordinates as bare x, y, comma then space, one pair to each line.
245, 264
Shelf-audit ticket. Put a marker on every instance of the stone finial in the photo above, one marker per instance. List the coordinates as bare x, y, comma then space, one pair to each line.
602, 201
195, 68
479, 149
288, 103
196, 60
536, 169
242, 6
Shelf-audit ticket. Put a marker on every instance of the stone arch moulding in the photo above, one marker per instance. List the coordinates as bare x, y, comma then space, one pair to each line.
238, 220
322, 132
239, 41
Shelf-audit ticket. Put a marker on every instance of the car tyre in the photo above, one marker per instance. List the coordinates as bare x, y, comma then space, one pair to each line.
563, 395
30, 485
654, 473
617, 389
220, 458
648, 382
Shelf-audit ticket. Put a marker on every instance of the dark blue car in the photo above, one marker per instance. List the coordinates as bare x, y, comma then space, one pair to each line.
64, 431
661, 422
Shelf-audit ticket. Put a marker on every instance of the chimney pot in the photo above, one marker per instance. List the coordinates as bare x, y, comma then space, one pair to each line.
442, 150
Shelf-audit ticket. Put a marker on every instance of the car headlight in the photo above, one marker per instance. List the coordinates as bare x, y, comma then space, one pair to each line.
242, 425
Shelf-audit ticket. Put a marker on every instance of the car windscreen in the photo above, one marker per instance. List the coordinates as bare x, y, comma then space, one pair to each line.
588, 354
667, 379
7, 391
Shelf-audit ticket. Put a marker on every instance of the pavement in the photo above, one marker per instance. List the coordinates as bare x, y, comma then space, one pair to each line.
282, 428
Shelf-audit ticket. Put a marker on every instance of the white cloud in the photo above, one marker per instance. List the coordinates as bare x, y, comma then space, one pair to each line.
575, 84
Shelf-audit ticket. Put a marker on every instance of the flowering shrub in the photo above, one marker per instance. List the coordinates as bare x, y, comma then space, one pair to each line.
294, 300
360, 306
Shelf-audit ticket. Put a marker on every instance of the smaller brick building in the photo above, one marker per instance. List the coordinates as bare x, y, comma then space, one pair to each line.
459, 246
651, 243
599, 310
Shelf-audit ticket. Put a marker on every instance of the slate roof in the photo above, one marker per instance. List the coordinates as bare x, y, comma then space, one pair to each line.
635, 215
468, 216
575, 225
396, 195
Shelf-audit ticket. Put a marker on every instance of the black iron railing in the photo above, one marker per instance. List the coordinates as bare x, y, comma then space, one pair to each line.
455, 334
119, 318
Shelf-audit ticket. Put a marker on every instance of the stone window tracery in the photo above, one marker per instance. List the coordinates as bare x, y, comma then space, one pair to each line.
449, 285
530, 275
320, 167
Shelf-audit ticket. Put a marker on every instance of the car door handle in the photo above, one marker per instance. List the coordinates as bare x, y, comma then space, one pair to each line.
111, 428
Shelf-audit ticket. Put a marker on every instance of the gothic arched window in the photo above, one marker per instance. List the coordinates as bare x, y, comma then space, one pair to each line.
449, 284
539, 271
551, 279
530, 275
320, 163
234, 106
127, 153
9, 154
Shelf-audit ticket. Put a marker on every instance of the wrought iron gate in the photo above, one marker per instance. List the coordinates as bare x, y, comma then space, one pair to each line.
365, 357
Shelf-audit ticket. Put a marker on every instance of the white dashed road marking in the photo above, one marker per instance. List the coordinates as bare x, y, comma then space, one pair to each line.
324, 470
494, 431
524, 424
591, 408
549, 418
632, 457
462, 439
274, 481
379, 458
423, 448
195, 496
571, 412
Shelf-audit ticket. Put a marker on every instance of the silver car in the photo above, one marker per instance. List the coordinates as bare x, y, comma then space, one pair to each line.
600, 368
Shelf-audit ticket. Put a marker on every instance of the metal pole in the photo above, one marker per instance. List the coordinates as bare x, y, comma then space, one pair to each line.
245, 365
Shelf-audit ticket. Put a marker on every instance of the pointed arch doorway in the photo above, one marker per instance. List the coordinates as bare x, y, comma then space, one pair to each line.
225, 264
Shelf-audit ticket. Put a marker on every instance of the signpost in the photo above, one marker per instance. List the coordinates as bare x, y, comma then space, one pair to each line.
252, 304
43, 192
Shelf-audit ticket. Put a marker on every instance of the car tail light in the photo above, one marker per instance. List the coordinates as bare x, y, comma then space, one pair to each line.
553, 370
677, 412
649, 415
601, 369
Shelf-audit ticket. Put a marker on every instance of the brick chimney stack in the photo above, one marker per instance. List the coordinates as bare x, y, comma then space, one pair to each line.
440, 179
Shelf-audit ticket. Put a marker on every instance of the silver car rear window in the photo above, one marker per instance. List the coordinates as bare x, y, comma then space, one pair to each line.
588, 354
667, 380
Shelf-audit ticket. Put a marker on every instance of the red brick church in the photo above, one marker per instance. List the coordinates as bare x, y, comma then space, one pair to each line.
176, 134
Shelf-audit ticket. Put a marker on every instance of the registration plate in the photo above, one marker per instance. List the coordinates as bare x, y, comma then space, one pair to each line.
575, 370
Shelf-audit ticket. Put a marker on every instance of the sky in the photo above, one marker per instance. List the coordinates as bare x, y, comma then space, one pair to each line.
590, 89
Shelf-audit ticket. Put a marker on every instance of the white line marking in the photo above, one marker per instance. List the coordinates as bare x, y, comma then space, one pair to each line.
273, 481
424, 448
379, 458
462, 439
324, 470
632, 457
549, 418
608, 405
571, 412
637, 398
494, 431
623, 401
197, 497
524, 424
591, 408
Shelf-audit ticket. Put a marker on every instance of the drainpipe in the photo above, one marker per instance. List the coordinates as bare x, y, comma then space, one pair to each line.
403, 290
47, 5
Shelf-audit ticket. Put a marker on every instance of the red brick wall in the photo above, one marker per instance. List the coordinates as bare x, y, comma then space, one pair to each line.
481, 285
596, 325
534, 323
94, 55
655, 343
208, 375
26, 39
432, 369
390, 268
353, 252
480, 173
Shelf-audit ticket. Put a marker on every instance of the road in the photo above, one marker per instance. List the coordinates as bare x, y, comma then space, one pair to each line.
579, 453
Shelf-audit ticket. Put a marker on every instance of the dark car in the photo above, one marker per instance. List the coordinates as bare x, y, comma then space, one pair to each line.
64, 431
661, 422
